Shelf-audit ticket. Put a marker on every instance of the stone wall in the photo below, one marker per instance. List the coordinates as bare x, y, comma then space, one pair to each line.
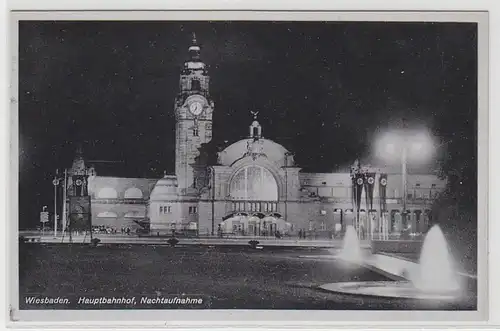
117, 215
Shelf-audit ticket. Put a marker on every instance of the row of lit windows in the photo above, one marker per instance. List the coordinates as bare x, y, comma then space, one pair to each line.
343, 192
255, 206
168, 209
393, 220
308, 183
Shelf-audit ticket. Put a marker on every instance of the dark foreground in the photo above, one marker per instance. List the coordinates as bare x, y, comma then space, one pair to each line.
225, 277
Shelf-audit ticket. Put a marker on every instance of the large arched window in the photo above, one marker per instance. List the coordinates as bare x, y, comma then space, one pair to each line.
133, 193
254, 183
107, 193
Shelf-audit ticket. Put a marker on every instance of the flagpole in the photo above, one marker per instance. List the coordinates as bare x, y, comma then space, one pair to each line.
356, 204
367, 212
357, 207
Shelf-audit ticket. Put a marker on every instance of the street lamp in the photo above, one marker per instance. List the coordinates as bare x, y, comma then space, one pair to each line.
55, 182
416, 146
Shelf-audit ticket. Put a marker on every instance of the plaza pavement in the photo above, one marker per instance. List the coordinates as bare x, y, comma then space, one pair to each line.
208, 241
393, 266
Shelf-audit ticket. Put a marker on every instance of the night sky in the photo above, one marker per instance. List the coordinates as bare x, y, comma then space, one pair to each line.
322, 90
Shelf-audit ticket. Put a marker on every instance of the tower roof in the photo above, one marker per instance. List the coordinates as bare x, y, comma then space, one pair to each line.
255, 127
194, 49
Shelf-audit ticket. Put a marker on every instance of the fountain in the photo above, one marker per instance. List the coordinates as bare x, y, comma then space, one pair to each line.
433, 278
351, 250
436, 273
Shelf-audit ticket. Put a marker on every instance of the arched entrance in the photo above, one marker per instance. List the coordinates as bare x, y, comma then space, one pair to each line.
256, 224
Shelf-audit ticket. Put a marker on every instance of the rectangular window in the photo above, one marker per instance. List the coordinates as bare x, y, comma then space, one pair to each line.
311, 225
323, 227
195, 85
161, 209
193, 210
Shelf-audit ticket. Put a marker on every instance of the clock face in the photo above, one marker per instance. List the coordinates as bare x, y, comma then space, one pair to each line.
195, 108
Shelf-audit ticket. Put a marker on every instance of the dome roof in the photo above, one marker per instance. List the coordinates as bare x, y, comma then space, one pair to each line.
165, 188
274, 152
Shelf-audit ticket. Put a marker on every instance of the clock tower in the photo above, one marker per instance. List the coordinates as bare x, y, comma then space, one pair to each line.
193, 114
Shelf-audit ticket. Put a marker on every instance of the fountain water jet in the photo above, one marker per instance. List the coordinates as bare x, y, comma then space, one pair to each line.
351, 250
433, 278
435, 272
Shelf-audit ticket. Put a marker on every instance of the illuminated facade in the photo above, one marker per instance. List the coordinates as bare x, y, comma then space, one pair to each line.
254, 188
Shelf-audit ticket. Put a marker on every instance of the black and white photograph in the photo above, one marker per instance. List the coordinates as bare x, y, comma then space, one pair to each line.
306, 165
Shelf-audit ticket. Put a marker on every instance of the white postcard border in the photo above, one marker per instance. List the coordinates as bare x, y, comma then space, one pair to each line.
256, 317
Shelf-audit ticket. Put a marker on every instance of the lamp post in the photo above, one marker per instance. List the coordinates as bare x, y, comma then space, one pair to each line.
63, 218
408, 144
55, 182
